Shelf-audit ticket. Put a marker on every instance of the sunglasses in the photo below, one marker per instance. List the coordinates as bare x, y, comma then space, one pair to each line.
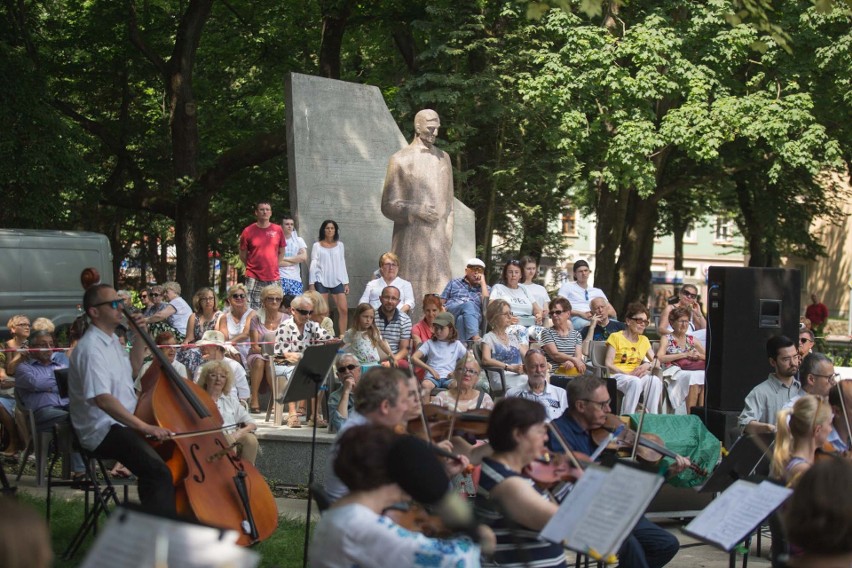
344, 368
803, 340
304, 312
143, 296
238, 296
114, 304
273, 299
557, 312
640, 321
477, 269
688, 294
154, 295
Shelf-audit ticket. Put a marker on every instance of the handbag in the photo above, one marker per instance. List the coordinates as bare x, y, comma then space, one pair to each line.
690, 364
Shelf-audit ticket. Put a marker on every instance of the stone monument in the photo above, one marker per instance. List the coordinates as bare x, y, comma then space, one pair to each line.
340, 137
418, 198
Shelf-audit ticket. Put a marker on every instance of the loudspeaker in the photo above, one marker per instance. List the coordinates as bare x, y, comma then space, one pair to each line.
746, 306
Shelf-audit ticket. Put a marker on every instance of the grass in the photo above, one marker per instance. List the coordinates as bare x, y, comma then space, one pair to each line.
282, 550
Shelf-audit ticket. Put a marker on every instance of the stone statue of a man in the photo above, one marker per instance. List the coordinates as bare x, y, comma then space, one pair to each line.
418, 198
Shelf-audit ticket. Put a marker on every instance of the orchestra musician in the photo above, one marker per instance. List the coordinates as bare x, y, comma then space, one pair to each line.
588, 405
801, 430
840, 437
103, 400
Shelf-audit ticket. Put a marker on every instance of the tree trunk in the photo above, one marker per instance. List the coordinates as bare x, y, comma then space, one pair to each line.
678, 233
334, 19
191, 243
637, 251
611, 211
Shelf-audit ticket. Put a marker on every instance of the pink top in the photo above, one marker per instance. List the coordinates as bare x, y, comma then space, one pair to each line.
261, 246
422, 331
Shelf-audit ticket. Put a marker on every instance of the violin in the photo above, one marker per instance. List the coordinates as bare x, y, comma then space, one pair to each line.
650, 450
416, 518
438, 423
554, 468
212, 484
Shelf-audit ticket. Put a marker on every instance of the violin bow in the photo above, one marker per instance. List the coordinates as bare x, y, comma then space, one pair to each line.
419, 401
552, 429
639, 426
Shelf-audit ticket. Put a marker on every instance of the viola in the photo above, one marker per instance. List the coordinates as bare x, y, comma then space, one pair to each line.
212, 485
651, 448
552, 469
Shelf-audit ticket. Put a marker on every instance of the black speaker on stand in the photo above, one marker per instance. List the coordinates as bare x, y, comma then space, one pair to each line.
746, 306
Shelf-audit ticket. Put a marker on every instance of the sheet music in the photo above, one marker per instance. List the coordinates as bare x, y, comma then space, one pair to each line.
737, 512
602, 509
131, 539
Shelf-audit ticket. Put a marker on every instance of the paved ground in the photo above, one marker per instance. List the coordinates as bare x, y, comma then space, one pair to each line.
690, 556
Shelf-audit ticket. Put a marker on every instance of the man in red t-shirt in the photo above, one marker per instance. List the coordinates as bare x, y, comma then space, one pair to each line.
262, 252
817, 312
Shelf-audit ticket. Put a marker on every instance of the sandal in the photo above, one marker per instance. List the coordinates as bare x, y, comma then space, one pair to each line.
254, 410
322, 423
293, 422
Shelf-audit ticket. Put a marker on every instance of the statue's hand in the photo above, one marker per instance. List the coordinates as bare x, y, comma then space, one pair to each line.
428, 213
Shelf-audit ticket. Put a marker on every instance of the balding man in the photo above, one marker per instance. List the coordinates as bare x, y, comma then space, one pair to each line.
600, 325
553, 398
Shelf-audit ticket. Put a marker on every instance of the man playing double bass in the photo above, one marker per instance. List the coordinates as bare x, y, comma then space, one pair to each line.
103, 401
648, 545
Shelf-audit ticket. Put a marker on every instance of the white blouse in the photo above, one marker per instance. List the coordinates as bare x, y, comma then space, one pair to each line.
328, 265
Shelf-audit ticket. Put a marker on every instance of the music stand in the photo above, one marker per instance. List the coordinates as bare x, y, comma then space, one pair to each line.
745, 456
304, 384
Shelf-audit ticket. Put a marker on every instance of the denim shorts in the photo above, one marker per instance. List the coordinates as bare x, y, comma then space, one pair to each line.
440, 383
323, 290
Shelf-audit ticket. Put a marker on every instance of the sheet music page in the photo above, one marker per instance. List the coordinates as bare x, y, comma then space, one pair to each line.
602, 509
131, 539
736, 512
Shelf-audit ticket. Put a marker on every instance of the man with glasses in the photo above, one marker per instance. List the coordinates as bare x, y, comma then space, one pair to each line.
580, 294
389, 276
589, 404
103, 402
600, 325
552, 397
341, 402
394, 325
816, 376
806, 342
262, 246
463, 297
766, 399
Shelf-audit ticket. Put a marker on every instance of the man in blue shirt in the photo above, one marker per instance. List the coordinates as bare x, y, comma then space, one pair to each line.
648, 545
463, 297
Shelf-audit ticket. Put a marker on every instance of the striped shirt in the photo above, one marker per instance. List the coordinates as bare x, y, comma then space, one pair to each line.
517, 546
566, 345
395, 330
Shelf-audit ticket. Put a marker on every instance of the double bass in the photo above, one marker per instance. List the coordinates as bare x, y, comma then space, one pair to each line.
212, 485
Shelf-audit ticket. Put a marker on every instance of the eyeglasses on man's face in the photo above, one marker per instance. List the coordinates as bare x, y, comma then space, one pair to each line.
114, 304
602, 404
345, 368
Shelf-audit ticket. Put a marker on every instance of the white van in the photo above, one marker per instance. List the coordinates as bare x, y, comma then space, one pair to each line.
40, 272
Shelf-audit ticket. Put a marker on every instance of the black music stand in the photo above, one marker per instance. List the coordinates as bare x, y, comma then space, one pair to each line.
745, 456
304, 384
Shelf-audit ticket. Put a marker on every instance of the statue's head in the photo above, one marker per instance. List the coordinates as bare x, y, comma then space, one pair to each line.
426, 125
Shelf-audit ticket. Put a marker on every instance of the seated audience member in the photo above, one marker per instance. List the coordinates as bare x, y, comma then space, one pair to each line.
268, 318
580, 293
44, 324
801, 430
158, 314
688, 300
422, 330
841, 436
394, 325
588, 406
505, 345
14, 444
524, 308
563, 345
439, 355
818, 517
552, 397
363, 339
354, 532
292, 338
463, 396
807, 340
236, 321
601, 326
767, 398
463, 297
35, 381
20, 327
166, 341
537, 291
320, 315
630, 359
182, 310
217, 379
682, 359
204, 317
341, 402
213, 348
389, 276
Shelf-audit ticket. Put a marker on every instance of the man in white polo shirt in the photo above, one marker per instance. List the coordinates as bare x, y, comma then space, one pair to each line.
553, 398
579, 293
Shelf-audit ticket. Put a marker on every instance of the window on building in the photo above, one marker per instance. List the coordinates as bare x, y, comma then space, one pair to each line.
724, 230
569, 220
690, 236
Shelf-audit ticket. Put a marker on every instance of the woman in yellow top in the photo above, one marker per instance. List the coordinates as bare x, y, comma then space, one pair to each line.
630, 360
801, 430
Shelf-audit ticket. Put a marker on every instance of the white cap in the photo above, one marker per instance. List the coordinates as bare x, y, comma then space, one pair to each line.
475, 262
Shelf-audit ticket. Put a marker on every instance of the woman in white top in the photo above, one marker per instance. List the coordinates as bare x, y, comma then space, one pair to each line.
328, 269
463, 397
505, 345
522, 303
389, 276
235, 324
537, 291
218, 380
